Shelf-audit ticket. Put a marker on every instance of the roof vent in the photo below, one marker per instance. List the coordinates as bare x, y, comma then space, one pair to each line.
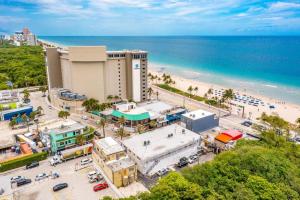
183, 131
170, 135
146, 142
194, 115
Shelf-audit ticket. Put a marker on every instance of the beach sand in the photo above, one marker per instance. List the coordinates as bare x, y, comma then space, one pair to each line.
288, 111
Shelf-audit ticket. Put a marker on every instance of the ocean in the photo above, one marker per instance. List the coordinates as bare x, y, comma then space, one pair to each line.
268, 66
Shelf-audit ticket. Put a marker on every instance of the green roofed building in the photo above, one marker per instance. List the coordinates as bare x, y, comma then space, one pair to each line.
67, 136
132, 115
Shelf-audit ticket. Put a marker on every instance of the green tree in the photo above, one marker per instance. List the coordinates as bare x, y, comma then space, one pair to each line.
103, 123
228, 96
26, 95
39, 109
122, 121
90, 104
190, 90
63, 114
152, 124
13, 122
196, 89
140, 128
80, 140
25, 120
121, 132
43, 89
150, 92
298, 122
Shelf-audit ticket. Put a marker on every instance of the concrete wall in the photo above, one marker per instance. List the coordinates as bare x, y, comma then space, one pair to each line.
53, 68
87, 54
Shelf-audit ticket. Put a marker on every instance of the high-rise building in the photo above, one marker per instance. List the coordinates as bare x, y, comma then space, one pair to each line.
98, 73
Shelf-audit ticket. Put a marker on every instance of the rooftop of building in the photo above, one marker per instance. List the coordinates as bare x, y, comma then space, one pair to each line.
64, 128
66, 50
156, 107
123, 163
109, 145
160, 141
197, 114
7, 96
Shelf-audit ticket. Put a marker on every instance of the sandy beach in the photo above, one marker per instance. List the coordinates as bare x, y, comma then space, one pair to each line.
288, 111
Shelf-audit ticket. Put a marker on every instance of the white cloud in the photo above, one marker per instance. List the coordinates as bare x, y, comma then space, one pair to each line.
280, 6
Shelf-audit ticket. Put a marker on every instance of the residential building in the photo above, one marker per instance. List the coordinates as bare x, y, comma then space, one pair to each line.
97, 73
227, 139
31, 40
66, 136
161, 148
110, 156
199, 120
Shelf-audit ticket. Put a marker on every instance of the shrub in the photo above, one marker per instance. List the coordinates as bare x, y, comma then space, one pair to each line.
19, 162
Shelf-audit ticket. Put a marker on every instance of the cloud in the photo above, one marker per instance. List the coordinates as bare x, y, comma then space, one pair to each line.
280, 6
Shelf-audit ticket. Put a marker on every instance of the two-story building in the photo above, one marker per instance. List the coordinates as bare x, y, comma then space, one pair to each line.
67, 136
110, 156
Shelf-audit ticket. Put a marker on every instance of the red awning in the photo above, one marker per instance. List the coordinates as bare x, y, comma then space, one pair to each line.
234, 134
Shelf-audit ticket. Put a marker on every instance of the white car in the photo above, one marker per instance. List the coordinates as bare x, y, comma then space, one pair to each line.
16, 178
55, 160
86, 161
54, 175
93, 173
163, 172
41, 176
84, 117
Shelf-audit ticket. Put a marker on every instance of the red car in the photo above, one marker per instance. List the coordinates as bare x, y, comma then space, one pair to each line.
100, 186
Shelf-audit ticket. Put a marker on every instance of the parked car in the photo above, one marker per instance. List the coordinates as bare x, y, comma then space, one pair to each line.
183, 162
55, 160
93, 173
100, 186
23, 182
193, 158
86, 161
247, 123
163, 172
16, 178
41, 176
32, 165
96, 178
60, 186
84, 117
54, 175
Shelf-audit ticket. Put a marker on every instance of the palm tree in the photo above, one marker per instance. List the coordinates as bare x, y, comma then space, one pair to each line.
25, 120
149, 74
80, 140
63, 114
228, 95
109, 97
103, 124
157, 93
13, 122
210, 91
298, 122
190, 89
150, 91
140, 128
121, 121
152, 78
159, 79
196, 90
43, 89
152, 124
121, 132
26, 95
39, 109
90, 104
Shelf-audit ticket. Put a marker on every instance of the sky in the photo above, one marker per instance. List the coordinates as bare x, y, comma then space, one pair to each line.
151, 17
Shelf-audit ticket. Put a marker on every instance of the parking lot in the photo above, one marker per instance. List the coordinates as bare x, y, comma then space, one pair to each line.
78, 185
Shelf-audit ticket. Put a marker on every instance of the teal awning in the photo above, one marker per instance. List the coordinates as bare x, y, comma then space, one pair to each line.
131, 117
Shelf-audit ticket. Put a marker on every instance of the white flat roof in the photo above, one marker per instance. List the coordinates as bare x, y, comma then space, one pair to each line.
160, 143
109, 145
197, 114
156, 107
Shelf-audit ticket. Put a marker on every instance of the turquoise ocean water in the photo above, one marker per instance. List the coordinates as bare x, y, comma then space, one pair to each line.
264, 65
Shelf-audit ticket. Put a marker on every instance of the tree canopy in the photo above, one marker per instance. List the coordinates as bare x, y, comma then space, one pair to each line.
24, 66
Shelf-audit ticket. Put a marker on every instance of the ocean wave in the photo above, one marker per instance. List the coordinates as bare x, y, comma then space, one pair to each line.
272, 86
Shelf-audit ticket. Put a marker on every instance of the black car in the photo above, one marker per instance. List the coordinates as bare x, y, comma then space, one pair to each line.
23, 182
60, 186
247, 123
32, 165
183, 162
